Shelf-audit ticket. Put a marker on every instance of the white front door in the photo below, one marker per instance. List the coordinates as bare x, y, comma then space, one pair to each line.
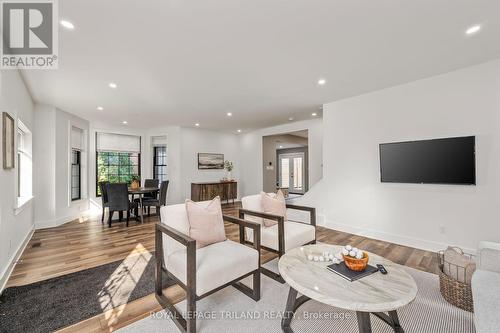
291, 172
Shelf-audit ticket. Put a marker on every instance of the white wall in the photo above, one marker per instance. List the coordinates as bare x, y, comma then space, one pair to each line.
183, 146
67, 210
194, 141
251, 171
52, 139
351, 197
44, 157
15, 230
173, 134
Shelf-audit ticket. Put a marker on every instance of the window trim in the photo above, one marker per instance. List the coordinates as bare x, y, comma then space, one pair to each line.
79, 158
155, 176
84, 166
21, 202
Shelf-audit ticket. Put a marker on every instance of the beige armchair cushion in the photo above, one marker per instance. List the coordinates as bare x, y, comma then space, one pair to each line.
296, 234
175, 216
252, 202
206, 225
216, 264
489, 256
273, 203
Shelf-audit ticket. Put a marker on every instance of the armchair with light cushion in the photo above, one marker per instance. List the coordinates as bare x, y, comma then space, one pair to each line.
280, 237
486, 288
203, 271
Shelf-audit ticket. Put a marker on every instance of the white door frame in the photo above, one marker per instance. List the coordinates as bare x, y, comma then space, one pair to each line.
290, 156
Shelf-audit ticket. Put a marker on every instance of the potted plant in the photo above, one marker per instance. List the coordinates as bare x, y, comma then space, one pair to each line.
228, 165
136, 182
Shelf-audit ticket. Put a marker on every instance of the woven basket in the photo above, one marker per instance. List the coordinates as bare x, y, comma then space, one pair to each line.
453, 291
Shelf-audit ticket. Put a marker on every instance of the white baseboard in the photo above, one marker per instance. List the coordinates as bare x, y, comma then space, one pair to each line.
4, 277
57, 222
417, 243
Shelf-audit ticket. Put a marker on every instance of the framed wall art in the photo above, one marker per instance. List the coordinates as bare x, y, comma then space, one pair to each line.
8, 132
207, 161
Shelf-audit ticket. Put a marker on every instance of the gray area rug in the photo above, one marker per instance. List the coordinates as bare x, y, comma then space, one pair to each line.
52, 304
231, 311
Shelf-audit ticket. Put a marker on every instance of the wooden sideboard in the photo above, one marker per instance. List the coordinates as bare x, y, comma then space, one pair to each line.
226, 190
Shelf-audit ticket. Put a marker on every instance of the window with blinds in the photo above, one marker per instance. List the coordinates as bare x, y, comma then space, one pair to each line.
118, 158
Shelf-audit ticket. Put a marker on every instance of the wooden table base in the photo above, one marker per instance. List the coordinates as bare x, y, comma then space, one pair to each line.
364, 322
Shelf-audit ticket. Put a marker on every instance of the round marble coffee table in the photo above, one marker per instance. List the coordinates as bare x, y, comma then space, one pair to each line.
378, 294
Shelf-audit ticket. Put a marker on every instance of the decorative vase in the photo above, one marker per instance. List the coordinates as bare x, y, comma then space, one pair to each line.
229, 176
135, 184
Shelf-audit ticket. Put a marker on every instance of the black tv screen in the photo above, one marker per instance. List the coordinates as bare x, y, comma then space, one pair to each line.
439, 161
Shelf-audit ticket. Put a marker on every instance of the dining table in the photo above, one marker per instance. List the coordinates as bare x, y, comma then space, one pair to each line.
140, 191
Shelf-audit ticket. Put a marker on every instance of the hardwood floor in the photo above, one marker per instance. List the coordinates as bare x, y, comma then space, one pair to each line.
80, 245
87, 243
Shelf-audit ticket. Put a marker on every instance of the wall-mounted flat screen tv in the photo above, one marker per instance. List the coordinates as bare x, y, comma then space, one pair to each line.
439, 161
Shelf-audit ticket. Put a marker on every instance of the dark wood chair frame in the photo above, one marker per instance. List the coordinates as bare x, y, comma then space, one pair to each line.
188, 324
281, 233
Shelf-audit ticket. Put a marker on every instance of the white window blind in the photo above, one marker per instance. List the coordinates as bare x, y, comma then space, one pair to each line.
118, 142
159, 140
76, 138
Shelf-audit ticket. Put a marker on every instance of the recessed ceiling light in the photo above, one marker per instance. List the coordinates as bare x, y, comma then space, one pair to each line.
67, 24
229, 114
239, 131
124, 122
197, 125
314, 114
473, 29
281, 146
321, 82
113, 85
100, 108
291, 118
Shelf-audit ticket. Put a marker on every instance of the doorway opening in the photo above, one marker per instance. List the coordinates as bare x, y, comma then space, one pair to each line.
285, 158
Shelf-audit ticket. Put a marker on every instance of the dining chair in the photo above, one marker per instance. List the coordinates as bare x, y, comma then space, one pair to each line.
149, 183
104, 198
118, 200
161, 201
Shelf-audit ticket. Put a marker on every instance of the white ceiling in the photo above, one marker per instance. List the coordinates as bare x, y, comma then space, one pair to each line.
178, 62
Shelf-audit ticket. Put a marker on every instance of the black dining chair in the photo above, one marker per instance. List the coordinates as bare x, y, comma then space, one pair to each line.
104, 197
161, 201
118, 200
151, 183
146, 196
